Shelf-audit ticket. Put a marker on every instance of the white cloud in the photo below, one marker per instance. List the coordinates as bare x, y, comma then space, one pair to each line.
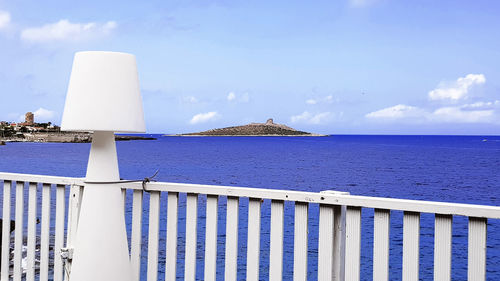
481, 105
44, 115
457, 90
459, 112
309, 118
457, 115
480, 112
190, 99
233, 97
397, 112
41, 115
64, 30
4, 19
204, 117
327, 99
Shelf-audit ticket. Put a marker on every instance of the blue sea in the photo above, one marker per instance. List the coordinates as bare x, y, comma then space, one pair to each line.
463, 169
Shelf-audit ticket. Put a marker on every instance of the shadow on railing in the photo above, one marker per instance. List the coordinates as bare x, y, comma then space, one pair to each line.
213, 248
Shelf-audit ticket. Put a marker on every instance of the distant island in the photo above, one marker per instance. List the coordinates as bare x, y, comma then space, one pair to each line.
253, 129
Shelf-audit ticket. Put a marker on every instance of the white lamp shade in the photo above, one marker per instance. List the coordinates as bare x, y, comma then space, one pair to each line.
103, 94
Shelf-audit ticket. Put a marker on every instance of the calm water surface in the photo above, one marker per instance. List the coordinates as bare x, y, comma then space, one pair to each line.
437, 168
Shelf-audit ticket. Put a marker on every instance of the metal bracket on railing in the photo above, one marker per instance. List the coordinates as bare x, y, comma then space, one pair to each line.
67, 258
67, 254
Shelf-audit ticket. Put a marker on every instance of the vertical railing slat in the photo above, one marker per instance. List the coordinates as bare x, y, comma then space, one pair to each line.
325, 242
18, 232
30, 255
59, 234
253, 243
339, 243
276, 243
75, 203
442, 247
4, 270
45, 233
353, 243
211, 237
191, 237
477, 249
136, 237
232, 213
300, 241
381, 227
74, 206
154, 220
411, 245
172, 220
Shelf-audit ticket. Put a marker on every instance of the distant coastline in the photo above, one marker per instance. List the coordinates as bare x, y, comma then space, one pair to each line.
268, 129
30, 131
64, 137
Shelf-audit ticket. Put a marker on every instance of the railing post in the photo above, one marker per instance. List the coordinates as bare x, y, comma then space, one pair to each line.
339, 219
75, 199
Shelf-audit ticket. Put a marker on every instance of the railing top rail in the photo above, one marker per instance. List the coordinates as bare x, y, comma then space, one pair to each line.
421, 206
329, 198
41, 179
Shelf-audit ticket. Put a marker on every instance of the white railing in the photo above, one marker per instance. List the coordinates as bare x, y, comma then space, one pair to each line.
339, 231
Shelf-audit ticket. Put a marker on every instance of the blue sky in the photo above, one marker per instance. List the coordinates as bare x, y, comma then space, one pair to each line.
338, 67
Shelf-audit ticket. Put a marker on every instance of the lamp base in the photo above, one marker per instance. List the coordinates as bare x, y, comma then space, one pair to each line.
101, 247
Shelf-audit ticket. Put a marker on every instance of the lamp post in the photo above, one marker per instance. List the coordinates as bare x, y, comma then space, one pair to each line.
103, 97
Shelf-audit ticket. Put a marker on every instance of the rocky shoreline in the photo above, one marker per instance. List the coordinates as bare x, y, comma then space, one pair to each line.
65, 137
267, 135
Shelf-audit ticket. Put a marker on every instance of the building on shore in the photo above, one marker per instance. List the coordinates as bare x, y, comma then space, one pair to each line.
30, 119
18, 130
